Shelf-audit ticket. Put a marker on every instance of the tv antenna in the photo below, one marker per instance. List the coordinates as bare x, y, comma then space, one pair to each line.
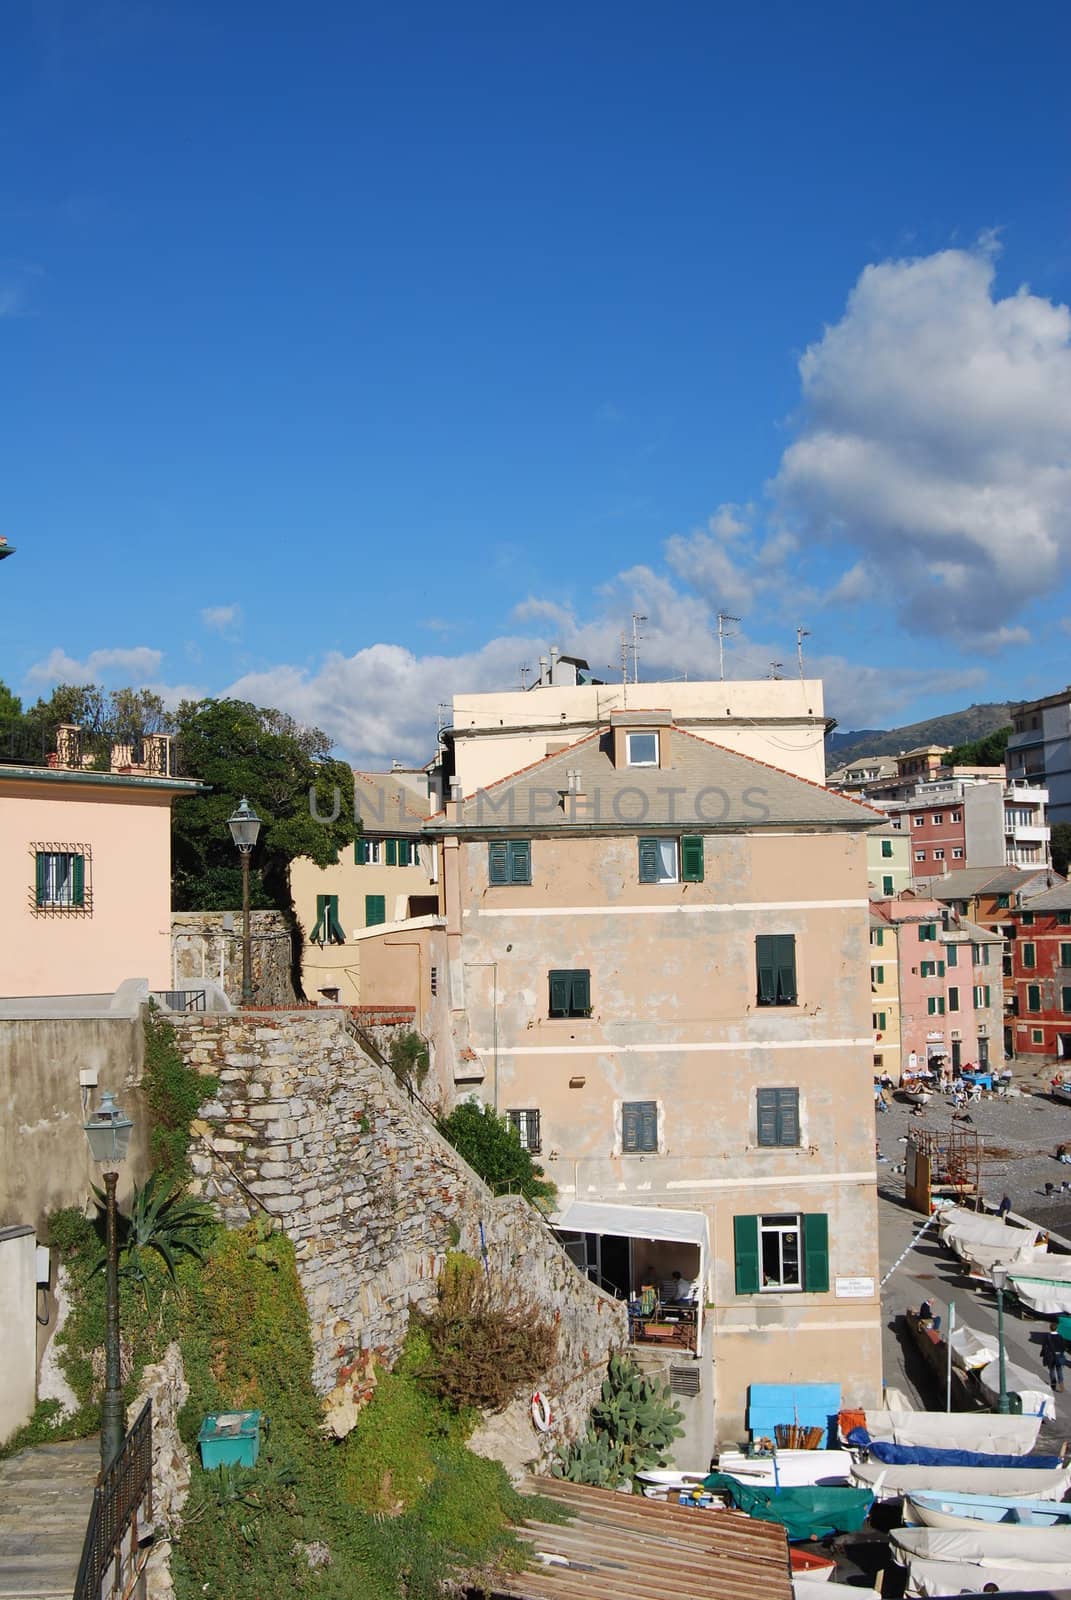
801, 634
525, 670
445, 708
776, 669
723, 618
637, 618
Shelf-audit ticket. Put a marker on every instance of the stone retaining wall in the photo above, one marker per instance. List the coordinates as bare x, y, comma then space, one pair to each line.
308, 1130
208, 944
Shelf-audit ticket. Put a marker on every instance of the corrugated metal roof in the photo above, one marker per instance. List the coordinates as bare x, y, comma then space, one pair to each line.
625, 1547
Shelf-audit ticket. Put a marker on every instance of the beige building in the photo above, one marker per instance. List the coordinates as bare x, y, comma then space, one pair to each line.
85, 871
654, 950
888, 861
885, 997
357, 915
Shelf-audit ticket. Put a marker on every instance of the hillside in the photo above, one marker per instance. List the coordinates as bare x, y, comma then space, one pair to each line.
955, 727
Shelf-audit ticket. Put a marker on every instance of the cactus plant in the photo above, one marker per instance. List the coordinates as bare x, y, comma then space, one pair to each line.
631, 1427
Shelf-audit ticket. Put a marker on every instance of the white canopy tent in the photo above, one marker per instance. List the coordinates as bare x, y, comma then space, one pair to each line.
644, 1222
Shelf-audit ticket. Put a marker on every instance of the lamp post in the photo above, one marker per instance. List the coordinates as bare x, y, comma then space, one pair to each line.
1000, 1278
245, 826
109, 1139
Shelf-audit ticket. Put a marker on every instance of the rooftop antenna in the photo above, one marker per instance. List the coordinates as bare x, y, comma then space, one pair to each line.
525, 670
801, 634
637, 618
723, 618
443, 717
776, 668
624, 668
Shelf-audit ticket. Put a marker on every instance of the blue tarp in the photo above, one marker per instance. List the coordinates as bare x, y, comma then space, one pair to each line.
905, 1455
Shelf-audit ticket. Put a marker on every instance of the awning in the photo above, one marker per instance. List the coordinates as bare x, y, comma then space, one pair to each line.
635, 1222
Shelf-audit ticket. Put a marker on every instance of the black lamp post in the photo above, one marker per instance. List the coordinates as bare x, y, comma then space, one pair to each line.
245, 826
999, 1276
109, 1139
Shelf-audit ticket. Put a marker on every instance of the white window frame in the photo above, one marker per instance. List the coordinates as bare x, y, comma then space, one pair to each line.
920, 855
373, 852
630, 759
957, 853
919, 822
938, 854
937, 819
955, 816
779, 1226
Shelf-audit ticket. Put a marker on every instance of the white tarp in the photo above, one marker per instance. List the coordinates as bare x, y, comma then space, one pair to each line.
1017, 1380
972, 1349
999, 1545
1025, 1483
982, 1226
978, 1253
959, 1577
1044, 1285
957, 1430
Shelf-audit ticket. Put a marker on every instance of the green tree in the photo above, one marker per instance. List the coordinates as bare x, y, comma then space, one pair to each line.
304, 800
1061, 847
10, 704
493, 1149
988, 751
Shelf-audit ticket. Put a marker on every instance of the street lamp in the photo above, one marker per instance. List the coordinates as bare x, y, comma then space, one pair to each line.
1000, 1278
109, 1138
245, 826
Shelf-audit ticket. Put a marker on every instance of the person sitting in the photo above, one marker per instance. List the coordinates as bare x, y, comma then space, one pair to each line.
927, 1318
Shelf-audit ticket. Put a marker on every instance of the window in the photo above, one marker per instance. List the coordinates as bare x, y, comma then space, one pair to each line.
1028, 955
887, 885
525, 1125
781, 1252
953, 999
980, 955
877, 936
671, 860
641, 749
509, 861
1065, 998
1063, 918
877, 974
1038, 1035
937, 819
327, 928
957, 853
775, 961
920, 855
1065, 955
938, 855
886, 848
952, 955
1033, 997
639, 1127
928, 969
927, 930
955, 816
918, 821
935, 1005
778, 1116
375, 910
570, 993
1003, 902
367, 852
62, 878
981, 995
1026, 918
877, 1021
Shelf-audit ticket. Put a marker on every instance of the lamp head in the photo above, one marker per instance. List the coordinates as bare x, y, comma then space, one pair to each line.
999, 1276
108, 1132
244, 826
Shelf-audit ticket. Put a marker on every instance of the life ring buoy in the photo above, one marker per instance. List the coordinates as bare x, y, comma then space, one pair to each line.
542, 1415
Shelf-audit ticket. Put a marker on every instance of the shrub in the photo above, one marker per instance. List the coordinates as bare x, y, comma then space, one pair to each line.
173, 1092
493, 1149
481, 1349
409, 1059
631, 1427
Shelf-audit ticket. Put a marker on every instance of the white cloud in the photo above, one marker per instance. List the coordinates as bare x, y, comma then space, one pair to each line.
221, 619
133, 666
853, 586
935, 438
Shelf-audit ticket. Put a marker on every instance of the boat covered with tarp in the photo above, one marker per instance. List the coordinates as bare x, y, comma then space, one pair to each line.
959, 1430
956, 1561
889, 1481
811, 1512
924, 1455
986, 1241
1036, 1401
1044, 1284
971, 1349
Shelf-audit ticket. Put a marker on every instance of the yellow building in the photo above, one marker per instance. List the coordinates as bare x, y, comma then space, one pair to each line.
885, 996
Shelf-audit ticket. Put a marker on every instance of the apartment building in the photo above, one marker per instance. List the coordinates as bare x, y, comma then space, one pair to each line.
949, 992
1040, 957
885, 995
1039, 749
888, 861
654, 946
957, 823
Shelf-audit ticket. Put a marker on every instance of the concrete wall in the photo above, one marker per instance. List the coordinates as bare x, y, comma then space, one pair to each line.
18, 1328
125, 834
983, 822
675, 1021
778, 721
307, 1128
208, 945
44, 1154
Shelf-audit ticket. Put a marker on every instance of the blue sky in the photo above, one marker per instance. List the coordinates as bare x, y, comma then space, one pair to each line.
354, 354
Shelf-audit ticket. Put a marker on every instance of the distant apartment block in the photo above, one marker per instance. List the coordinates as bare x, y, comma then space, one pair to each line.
955, 823
1039, 750
1039, 1019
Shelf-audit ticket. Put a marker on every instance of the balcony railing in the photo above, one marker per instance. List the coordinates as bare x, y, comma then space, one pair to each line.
72, 749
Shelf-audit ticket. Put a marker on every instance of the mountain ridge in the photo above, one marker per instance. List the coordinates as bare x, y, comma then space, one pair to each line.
950, 728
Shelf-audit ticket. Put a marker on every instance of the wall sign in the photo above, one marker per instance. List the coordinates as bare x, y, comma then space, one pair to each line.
854, 1288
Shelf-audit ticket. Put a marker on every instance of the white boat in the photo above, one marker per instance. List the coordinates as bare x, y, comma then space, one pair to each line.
970, 1349
987, 1241
889, 1482
918, 1097
958, 1430
931, 1510
1037, 1401
1044, 1284
954, 1561
794, 1468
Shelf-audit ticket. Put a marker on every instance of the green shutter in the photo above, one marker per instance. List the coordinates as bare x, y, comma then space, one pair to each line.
788, 1116
1065, 955
520, 860
392, 852
940, 969
765, 962
375, 910
877, 936
887, 886
767, 1116
630, 1129
746, 1254
1065, 998
317, 934
952, 956
581, 991
648, 860
498, 861
78, 880
360, 851
816, 1253
1033, 997
886, 848
41, 865
332, 926
786, 968
649, 1125
1029, 955
560, 992
692, 858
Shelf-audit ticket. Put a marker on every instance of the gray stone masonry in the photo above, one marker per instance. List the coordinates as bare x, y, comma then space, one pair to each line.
202, 948
305, 1128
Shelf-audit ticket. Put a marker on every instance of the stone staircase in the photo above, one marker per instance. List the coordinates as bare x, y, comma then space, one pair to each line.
45, 1496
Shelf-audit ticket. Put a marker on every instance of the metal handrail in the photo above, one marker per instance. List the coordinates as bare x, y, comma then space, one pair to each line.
121, 1492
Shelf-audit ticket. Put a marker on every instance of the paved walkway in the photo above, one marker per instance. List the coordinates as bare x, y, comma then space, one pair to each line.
45, 1496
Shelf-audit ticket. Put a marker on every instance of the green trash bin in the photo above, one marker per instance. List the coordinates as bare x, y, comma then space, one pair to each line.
230, 1438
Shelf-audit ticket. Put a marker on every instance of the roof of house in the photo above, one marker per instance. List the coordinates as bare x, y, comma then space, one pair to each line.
968, 882
102, 780
977, 933
704, 788
1058, 898
387, 806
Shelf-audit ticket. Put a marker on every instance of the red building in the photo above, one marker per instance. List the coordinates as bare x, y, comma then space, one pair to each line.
1040, 1021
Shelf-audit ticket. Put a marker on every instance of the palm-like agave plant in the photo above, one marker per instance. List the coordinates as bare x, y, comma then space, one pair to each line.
162, 1220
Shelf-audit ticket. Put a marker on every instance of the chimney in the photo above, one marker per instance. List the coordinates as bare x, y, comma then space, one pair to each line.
573, 794
544, 675
455, 798
554, 653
